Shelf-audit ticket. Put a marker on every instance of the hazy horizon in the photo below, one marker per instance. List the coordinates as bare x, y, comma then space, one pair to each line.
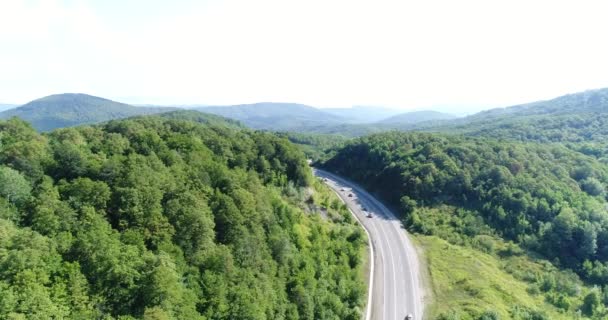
458, 110
434, 55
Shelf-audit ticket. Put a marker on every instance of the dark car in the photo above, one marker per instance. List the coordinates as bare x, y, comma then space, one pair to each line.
409, 317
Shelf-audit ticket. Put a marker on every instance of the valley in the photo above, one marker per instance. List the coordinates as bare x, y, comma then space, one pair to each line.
506, 208
396, 289
303, 160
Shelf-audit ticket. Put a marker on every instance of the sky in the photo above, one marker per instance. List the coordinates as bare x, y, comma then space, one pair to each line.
454, 56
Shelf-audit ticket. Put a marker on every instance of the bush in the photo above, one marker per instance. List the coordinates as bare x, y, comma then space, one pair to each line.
13, 186
593, 186
489, 315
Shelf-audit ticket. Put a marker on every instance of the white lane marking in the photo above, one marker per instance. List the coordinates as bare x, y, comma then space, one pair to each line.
404, 279
385, 234
390, 253
394, 235
381, 235
407, 246
415, 284
407, 243
384, 273
384, 265
370, 294
402, 267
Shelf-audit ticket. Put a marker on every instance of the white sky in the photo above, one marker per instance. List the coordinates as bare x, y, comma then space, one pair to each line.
452, 55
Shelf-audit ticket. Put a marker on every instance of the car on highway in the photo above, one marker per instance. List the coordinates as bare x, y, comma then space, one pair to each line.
409, 317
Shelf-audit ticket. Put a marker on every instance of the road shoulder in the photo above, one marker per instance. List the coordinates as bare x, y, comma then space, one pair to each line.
426, 284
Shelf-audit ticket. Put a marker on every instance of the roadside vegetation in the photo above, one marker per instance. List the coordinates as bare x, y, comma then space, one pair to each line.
487, 198
491, 279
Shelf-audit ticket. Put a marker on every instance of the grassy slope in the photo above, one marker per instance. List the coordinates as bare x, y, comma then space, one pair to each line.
466, 281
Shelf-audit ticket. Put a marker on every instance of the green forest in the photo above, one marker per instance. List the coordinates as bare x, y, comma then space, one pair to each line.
164, 217
188, 215
504, 197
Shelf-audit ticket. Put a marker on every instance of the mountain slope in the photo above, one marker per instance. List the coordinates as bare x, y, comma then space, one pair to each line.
203, 118
363, 114
416, 117
590, 101
402, 122
573, 117
578, 117
275, 116
162, 218
70, 109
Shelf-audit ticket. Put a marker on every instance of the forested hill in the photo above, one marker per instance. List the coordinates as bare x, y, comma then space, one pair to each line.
576, 127
575, 117
547, 198
363, 114
594, 101
202, 118
416, 117
70, 109
163, 218
579, 117
276, 116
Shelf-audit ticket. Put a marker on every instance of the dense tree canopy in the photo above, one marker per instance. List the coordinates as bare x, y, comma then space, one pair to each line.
162, 218
314, 145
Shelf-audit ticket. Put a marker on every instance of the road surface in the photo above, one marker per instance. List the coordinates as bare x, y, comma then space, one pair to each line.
395, 280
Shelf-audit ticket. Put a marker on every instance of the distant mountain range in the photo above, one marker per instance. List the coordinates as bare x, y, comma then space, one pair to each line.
363, 114
276, 116
573, 117
572, 113
302, 118
70, 109
590, 101
579, 104
417, 117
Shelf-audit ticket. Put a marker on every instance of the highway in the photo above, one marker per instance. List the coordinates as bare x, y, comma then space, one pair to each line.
395, 285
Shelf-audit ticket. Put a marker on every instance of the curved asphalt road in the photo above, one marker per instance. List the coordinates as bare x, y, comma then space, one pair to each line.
395, 285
